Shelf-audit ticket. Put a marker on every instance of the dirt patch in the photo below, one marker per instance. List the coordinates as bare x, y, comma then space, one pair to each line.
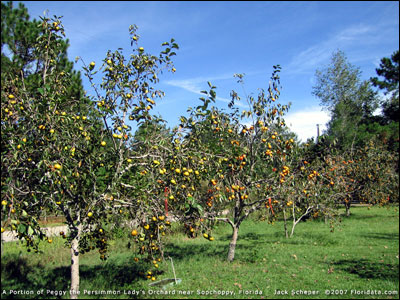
51, 220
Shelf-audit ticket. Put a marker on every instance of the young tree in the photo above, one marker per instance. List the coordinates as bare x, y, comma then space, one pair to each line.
244, 157
312, 192
369, 175
69, 154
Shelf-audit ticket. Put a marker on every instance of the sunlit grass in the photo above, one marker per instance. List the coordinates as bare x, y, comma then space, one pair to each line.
360, 255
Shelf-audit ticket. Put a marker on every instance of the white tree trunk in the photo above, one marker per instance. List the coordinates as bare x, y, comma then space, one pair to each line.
295, 222
285, 223
74, 291
232, 245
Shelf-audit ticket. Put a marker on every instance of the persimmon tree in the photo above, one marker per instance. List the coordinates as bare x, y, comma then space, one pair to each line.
368, 175
313, 191
378, 174
171, 178
244, 156
145, 207
69, 155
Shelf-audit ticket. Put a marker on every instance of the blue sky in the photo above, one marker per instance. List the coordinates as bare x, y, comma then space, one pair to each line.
220, 38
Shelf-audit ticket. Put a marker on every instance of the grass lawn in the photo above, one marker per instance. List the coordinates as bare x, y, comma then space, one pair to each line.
360, 259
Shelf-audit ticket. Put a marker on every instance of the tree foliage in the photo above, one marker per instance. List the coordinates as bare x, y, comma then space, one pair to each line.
19, 36
66, 152
389, 70
350, 101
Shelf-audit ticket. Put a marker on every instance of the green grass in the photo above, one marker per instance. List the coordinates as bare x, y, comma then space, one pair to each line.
361, 255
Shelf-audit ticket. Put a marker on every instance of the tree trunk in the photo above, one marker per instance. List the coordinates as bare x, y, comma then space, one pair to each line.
232, 245
285, 223
74, 291
293, 226
348, 209
294, 220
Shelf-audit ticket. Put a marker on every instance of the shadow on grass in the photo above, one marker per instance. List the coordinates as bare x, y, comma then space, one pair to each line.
381, 236
303, 238
189, 251
299, 238
18, 275
260, 237
367, 269
360, 216
245, 251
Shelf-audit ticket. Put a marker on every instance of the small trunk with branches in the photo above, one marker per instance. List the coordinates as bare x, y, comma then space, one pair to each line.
296, 221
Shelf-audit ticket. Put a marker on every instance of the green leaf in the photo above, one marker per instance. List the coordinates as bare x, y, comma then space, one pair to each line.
30, 230
22, 228
199, 208
47, 87
213, 93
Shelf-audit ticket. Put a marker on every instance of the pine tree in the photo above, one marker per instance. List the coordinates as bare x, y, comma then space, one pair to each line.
389, 70
18, 55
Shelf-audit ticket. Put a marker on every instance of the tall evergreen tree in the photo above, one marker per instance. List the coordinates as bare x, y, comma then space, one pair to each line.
389, 70
18, 55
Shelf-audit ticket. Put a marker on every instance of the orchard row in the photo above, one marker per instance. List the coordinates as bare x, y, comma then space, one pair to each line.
77, 157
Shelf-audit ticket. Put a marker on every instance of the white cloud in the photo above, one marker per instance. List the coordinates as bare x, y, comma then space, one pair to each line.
316, 55
304, 122
195, 85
